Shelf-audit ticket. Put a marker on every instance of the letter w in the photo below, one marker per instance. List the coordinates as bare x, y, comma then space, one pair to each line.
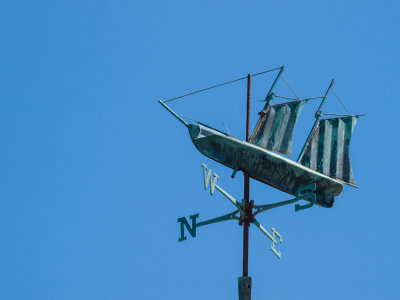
207, 179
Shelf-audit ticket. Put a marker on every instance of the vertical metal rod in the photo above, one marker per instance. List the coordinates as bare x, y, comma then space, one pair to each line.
247, 190
246, 227
248, 107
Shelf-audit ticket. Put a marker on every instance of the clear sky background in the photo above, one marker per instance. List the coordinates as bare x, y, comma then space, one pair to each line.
94, 172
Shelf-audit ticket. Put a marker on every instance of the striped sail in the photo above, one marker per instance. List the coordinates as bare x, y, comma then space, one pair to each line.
327, 151
274, 130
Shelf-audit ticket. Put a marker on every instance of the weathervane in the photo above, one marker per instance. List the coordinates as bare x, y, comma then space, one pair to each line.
317, 176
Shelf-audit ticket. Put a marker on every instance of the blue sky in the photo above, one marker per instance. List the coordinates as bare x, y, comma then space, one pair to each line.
94, 172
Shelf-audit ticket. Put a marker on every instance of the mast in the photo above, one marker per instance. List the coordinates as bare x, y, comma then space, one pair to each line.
245, 281
268, 99
246, 190
318, 115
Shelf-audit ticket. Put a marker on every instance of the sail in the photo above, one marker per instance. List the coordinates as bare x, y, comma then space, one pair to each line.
327, 151
274, 130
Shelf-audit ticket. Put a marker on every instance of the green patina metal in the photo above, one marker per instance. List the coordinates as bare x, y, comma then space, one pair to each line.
227, 217
262, 164
210, 181
244, 284
191, 229
323, 161
275, 131
271, 237
328, 150
318, 115
303, 193
322, 167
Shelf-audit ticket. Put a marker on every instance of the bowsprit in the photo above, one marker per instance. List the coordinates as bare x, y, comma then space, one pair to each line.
317, 176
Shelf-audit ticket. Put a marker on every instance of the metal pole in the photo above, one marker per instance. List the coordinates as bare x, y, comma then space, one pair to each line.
248, 107
245, 281
246, 190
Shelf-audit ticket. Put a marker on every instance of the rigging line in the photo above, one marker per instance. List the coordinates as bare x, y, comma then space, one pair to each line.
263, 72
227, 129
190, 119
221, 84
319, 97
202, 90
287, 83
283, 97
340, 115
341, 102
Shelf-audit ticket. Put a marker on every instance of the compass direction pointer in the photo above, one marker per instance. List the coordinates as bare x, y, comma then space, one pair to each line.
191, 229
275, 233
213, 186
271, 237
210, 180
310, 196
207, 179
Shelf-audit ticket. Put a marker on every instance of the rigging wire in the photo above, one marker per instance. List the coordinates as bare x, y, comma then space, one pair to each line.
341, 101
227, 129
189, 119
287, 83
221, 84
340, 115
283, 97
202, 90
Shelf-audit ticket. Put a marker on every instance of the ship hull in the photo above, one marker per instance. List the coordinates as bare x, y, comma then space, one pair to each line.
262, 165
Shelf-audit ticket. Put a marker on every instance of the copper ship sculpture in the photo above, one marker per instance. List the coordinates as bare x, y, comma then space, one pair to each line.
324, 159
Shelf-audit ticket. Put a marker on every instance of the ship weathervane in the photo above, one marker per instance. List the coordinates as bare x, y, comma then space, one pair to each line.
317, 176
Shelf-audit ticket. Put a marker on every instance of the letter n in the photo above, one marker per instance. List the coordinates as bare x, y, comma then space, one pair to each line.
184, 223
